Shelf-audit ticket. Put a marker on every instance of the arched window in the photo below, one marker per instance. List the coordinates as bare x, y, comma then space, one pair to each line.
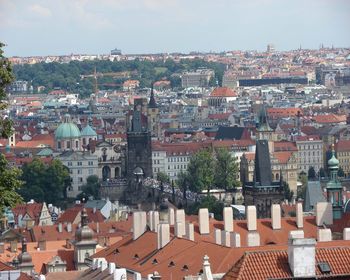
77, 144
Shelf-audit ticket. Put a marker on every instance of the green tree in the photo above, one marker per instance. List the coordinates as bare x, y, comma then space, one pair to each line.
341, 172
201, 171
288, 194
183, 182
91, 188
45, 182
214, 206
163, 179
226, 170
9, 176
322, 173
301, 190
311, 173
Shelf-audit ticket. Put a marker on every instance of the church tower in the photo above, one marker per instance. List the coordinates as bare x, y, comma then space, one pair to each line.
263, 192
139, 154
264, 131
153, 116
334, 188
85, 245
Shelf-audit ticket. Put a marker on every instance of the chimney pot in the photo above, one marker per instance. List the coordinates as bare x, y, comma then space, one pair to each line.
203, 221
228, 219
251, 217
276, 216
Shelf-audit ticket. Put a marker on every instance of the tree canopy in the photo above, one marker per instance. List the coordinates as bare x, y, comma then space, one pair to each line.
9, 176
226, 170
44, 182
91, 188
311, 174
67, 76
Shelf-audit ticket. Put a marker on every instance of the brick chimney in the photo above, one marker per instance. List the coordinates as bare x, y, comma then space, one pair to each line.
301, 257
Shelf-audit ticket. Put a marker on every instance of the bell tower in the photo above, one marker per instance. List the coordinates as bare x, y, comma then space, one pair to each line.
334, 188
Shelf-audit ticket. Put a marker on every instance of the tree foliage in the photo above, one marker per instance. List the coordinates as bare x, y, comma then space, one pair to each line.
9, 184
214, 206
45, 182
201, 171
226, 170
91, 188
311, 173
6, 78
301, 190
68, 75
9, 176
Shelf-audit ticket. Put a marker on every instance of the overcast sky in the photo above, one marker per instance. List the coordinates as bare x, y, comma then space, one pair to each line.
43, 27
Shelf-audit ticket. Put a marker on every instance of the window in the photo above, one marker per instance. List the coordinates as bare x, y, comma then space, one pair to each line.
79, 171
80, 163
68, 145
69, 163
59, 145
77, 144
80, 179
90, 163
91, 171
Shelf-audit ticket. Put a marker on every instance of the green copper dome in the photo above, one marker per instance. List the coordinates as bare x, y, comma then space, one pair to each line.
67, 130
333, 162
88, 131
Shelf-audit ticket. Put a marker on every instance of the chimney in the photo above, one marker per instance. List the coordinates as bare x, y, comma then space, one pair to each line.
346, 234
276, 216
94, 210
228, 219
179, 229
171, 216
163, 235
119, 273
301, 257
218, 236
324, 213
203, 221
139, 224
68, 244
150, 220
102, 263
251, 217
324, 234
180, 216
253, 239
225, 238
101, 241
13, 246
156, 276
2, 248
137, 276
42, 245
69, 227
97, 227
293, 234
111, 268
235, 240
60, 227
155, 218
42, 277
299, 215
190, 231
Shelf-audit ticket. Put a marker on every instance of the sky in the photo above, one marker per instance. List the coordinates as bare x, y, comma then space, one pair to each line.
57, 27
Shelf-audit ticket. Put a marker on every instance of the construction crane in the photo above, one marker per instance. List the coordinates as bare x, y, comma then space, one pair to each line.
96, 75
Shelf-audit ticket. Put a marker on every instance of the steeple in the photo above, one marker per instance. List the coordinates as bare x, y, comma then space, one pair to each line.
262, 170
263, 124
334, 188
152, 101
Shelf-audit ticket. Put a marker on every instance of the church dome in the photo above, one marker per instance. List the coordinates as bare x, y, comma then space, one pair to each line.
333, 162
88, 131
67, 130
84, 233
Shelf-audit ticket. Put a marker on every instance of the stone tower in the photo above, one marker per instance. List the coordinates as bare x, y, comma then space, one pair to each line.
264, 131
153, 116
334, 188
263, 192
139, 153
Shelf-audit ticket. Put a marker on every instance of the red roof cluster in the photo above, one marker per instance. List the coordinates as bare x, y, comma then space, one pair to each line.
223, 92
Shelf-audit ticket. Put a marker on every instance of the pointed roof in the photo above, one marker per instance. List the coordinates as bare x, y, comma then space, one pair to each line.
262, 172
263, 123
152, 101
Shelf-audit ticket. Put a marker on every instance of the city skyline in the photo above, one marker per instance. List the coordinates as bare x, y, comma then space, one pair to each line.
31, 28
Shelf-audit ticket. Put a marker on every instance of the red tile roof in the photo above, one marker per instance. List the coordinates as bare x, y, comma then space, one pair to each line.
71, 214
274, 264
343, 146
329, 118
32, 209
223, 92
283, 112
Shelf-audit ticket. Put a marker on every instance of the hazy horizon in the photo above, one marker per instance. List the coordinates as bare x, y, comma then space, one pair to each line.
39, 28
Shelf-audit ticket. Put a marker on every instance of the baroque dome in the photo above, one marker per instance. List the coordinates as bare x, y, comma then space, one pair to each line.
67, 130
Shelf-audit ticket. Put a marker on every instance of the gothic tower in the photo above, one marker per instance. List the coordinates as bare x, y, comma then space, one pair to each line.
153, 116
264, 131
139, 154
